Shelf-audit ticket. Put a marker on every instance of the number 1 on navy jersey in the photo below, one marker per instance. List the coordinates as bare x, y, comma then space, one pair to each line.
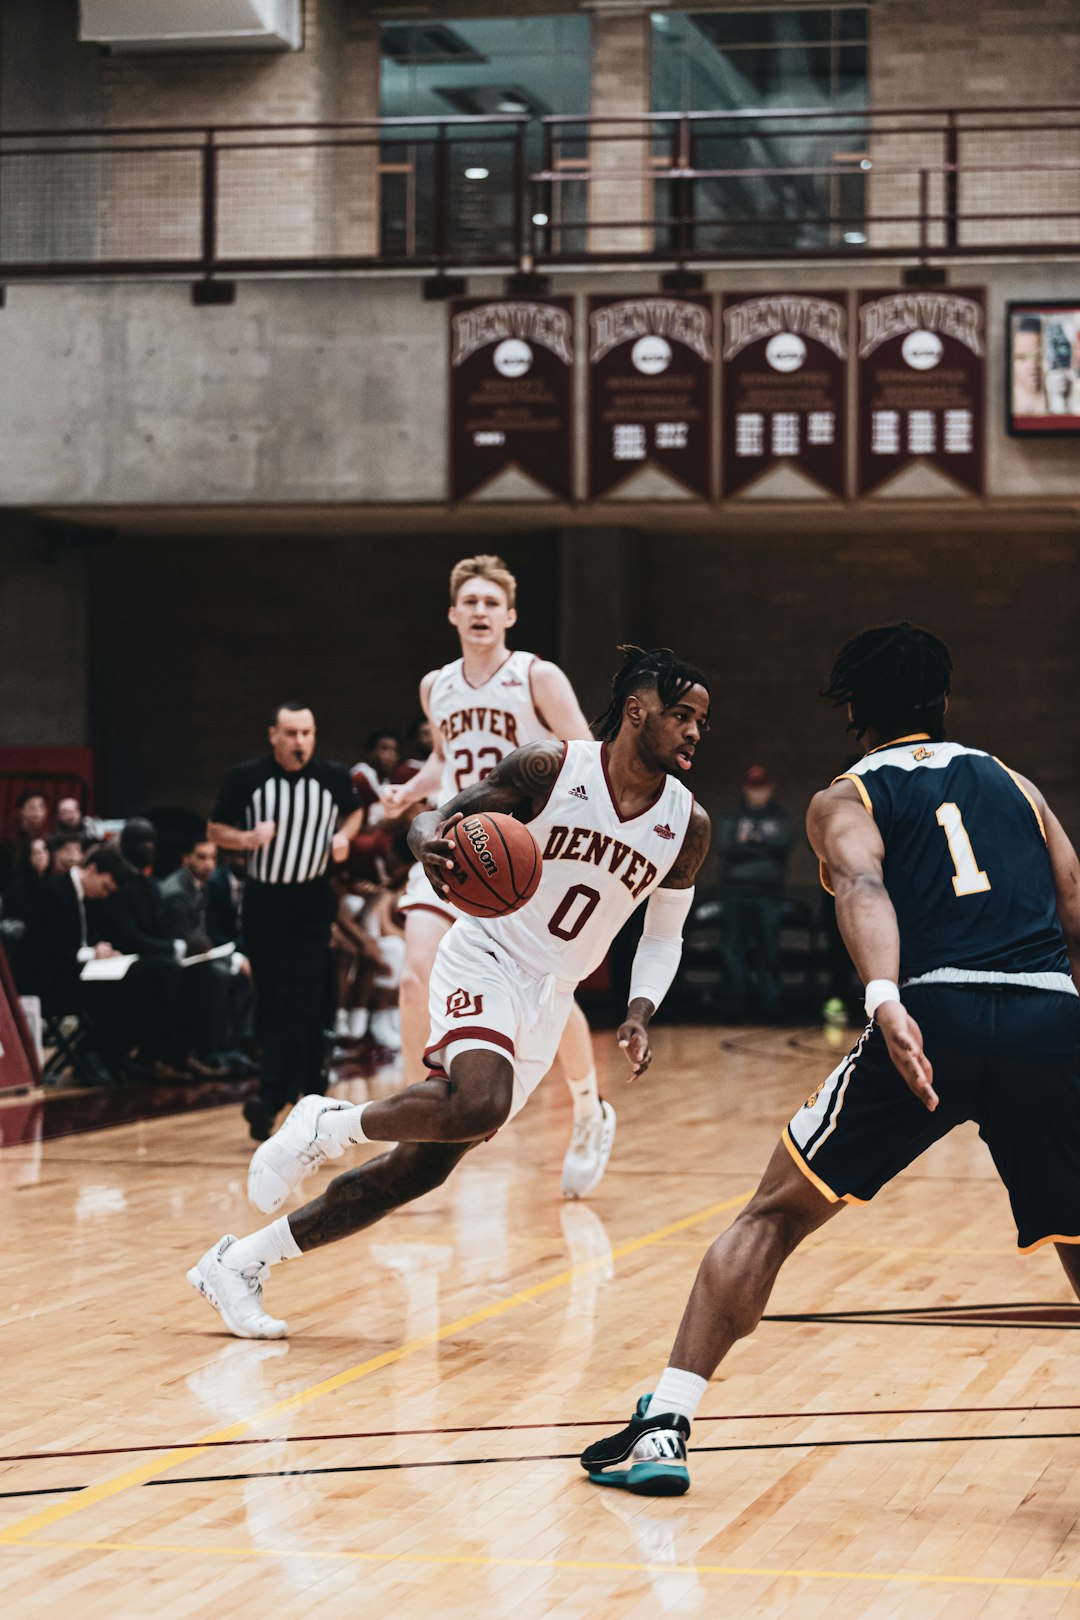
968, 879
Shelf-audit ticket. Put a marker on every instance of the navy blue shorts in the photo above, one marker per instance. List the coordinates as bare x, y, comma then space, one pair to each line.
1007, 1058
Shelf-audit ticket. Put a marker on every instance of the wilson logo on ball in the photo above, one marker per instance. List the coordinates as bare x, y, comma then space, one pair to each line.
476, 833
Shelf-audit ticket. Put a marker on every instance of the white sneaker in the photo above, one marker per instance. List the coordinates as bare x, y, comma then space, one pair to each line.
279, 1165
386, 1028
588, 1154
236, 1295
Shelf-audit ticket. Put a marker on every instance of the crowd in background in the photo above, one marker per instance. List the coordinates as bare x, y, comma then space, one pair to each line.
155, 890
75, 891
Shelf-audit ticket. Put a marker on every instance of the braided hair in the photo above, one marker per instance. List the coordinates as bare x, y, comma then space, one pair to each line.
656, 671
896, 679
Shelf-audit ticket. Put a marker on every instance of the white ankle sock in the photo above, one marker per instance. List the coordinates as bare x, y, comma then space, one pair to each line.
586, 1098
270, 1245
678, 1392
343, 1125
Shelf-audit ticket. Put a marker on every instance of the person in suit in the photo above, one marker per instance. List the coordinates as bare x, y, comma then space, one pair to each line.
62, 933
220, 996
164, 1013
183, 896
225, 899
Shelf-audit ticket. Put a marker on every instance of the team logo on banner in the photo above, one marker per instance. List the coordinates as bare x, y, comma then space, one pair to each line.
511, 365
650, 390
922, 363
785, 387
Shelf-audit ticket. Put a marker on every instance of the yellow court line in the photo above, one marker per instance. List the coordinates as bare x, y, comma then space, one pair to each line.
92, 1494
579, 1565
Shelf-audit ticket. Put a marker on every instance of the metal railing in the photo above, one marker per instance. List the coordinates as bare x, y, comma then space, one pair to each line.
507, 191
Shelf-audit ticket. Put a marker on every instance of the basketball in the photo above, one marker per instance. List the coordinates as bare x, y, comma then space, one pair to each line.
498, 865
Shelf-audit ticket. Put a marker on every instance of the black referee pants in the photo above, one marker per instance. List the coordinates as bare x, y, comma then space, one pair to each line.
287, 940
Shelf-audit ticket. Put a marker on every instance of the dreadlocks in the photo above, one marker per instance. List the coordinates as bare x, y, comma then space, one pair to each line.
896, 679
657, 671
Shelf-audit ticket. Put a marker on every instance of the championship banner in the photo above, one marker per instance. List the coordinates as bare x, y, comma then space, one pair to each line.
511, 375
650, 389
785, 387
922, 385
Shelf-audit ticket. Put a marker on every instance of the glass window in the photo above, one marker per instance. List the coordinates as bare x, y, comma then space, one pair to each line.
761, 62
471, 67
482, 65
723, 61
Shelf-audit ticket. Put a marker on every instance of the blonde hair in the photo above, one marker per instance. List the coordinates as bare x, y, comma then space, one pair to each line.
482, 567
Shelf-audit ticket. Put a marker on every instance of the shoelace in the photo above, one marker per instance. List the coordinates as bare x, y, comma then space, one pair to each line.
583, 1137
253, 1277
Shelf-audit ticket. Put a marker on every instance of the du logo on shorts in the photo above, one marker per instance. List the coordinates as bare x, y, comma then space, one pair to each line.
460, 1004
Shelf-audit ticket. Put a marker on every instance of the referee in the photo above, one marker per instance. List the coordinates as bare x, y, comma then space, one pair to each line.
284, 810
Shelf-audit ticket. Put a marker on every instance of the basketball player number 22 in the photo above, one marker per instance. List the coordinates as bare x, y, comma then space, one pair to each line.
968, 879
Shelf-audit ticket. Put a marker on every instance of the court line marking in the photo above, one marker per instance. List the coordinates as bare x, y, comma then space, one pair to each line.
92, 1494
573, 1565
515, 1428
546, 1456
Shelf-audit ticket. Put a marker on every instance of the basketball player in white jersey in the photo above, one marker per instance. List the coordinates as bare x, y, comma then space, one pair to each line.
481, 707
616, 828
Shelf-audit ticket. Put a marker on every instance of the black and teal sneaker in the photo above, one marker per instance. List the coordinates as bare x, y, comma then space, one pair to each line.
655, 1448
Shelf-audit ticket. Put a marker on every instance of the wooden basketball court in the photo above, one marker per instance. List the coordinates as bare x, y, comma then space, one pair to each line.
900, 1438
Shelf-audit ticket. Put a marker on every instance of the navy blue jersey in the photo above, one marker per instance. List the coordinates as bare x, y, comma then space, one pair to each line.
966, 864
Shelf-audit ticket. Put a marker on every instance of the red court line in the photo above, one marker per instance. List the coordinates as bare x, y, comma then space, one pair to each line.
511, 1428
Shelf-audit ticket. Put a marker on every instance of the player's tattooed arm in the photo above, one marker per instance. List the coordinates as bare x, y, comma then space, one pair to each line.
521, 781
691, 857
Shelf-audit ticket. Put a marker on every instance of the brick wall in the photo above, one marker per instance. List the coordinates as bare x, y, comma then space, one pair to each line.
928, 53
286, 199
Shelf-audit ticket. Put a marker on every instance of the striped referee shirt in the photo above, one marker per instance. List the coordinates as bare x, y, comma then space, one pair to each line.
306, 806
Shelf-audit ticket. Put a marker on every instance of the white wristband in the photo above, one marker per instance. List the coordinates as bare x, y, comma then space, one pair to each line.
878, 992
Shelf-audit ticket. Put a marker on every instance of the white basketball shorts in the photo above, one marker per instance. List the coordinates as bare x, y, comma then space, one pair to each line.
481, 997
420, 896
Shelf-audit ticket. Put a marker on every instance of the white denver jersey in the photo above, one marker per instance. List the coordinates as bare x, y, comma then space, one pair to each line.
598, 868
480, 725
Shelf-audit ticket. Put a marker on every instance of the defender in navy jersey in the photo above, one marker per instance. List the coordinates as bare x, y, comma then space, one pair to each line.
958, 897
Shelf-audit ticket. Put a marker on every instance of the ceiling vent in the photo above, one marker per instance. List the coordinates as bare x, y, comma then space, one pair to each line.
414, 43
192, 25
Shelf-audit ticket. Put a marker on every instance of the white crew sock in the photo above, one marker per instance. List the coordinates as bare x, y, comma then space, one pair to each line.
343, 1125
586, 1098
679, 1392
268, 1246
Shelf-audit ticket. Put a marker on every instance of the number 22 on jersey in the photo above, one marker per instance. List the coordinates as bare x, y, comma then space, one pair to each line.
968, 879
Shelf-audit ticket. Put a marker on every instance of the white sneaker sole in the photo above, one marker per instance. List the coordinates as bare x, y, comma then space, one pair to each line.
210, 1294
607, 1142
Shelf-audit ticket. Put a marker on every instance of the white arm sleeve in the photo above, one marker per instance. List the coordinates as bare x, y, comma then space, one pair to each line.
659, 950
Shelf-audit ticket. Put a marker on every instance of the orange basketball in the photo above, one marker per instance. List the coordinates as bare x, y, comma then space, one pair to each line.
498, 865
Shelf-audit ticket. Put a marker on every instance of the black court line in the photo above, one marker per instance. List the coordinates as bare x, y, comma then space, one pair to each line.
551, 1456
949, 1316
517, 1428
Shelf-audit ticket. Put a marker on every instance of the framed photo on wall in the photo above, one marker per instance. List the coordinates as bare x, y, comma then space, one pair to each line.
1042, 350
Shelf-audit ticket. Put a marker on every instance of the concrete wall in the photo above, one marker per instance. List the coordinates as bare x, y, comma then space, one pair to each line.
315, 391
